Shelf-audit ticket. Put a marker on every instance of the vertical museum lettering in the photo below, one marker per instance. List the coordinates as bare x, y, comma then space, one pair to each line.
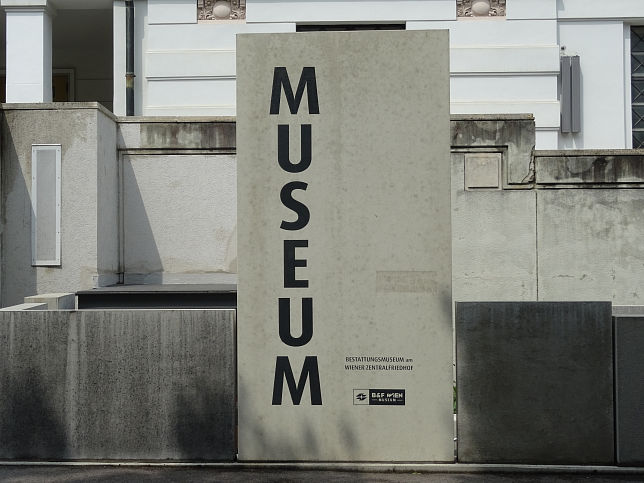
292, 248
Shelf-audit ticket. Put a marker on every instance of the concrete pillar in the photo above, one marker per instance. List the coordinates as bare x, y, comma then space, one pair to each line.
29, 50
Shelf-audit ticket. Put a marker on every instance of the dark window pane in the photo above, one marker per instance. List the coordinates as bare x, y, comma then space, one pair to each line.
637, 90
638, 117
638, 139
637, 39
637, 63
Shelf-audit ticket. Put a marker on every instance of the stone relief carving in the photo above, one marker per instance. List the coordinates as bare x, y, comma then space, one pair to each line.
221, 9
464, 8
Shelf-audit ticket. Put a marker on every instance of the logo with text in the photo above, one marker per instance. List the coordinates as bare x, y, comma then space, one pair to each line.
379, 397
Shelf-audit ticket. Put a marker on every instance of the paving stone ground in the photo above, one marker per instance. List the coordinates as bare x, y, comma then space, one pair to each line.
55, 474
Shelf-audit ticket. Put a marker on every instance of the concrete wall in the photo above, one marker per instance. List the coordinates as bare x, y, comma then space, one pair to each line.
535, 382
179, 199
557, 225
152, 385
87, 135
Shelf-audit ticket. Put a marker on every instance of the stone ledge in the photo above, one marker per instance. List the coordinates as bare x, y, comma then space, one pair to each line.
57, 106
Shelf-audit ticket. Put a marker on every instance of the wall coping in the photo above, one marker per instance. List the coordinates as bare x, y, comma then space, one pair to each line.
57, 106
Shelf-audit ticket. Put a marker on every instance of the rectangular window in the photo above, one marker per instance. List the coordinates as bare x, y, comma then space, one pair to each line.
637, 85
45, 204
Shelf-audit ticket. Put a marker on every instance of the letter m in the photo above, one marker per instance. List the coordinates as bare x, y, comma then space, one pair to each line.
307, 81
309, 371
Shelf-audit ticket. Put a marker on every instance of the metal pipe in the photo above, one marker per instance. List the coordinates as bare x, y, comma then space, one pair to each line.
129, 58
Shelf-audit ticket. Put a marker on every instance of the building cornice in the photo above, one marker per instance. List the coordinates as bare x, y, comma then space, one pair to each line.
28, 5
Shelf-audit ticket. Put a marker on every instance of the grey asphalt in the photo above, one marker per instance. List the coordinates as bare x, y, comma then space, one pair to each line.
41, 473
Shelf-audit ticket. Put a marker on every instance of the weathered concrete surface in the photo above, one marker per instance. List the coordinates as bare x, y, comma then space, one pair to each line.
26, 306
54, 301
629, 389
84, 132
535, 382
376, 251
212, 133
589, 167
589, 245
514, 132
493, 241
117, 385
628, 310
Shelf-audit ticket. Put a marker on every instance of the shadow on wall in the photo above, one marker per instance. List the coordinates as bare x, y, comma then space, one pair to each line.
204, 418
18, 277
305, 443
29, 425
142, 261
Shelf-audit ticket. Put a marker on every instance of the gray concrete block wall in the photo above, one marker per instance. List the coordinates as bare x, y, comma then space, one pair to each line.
589, 244
629, 387
84, 165
151, 385
54, 301
535, 382
493, 241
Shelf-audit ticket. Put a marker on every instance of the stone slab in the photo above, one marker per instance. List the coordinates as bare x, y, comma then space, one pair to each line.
28, 306
143, 385
482, 170
535, 382
54, 301
373, 247
628, 310
629, 389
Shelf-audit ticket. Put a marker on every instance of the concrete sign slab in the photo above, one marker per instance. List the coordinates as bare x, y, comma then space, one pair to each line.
535, 382
344, 257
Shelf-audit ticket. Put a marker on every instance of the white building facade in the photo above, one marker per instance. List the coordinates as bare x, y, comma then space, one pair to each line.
505, 61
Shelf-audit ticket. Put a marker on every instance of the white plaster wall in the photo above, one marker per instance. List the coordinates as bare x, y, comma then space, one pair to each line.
599, 9
28, 77
316, 11
172, 11
190, 68
600, 46
180, 215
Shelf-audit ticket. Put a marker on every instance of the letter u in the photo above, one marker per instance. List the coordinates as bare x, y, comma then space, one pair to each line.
283, 147
285, 322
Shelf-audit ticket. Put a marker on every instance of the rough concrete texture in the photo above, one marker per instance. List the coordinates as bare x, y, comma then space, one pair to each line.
589, 245
493, 248
117, 385
629, 389
215, 133
515, 133
535, 382
77, 131
589, 167
54, 301
377, 260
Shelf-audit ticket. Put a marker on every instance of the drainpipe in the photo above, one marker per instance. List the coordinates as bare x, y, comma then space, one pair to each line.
129, 58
